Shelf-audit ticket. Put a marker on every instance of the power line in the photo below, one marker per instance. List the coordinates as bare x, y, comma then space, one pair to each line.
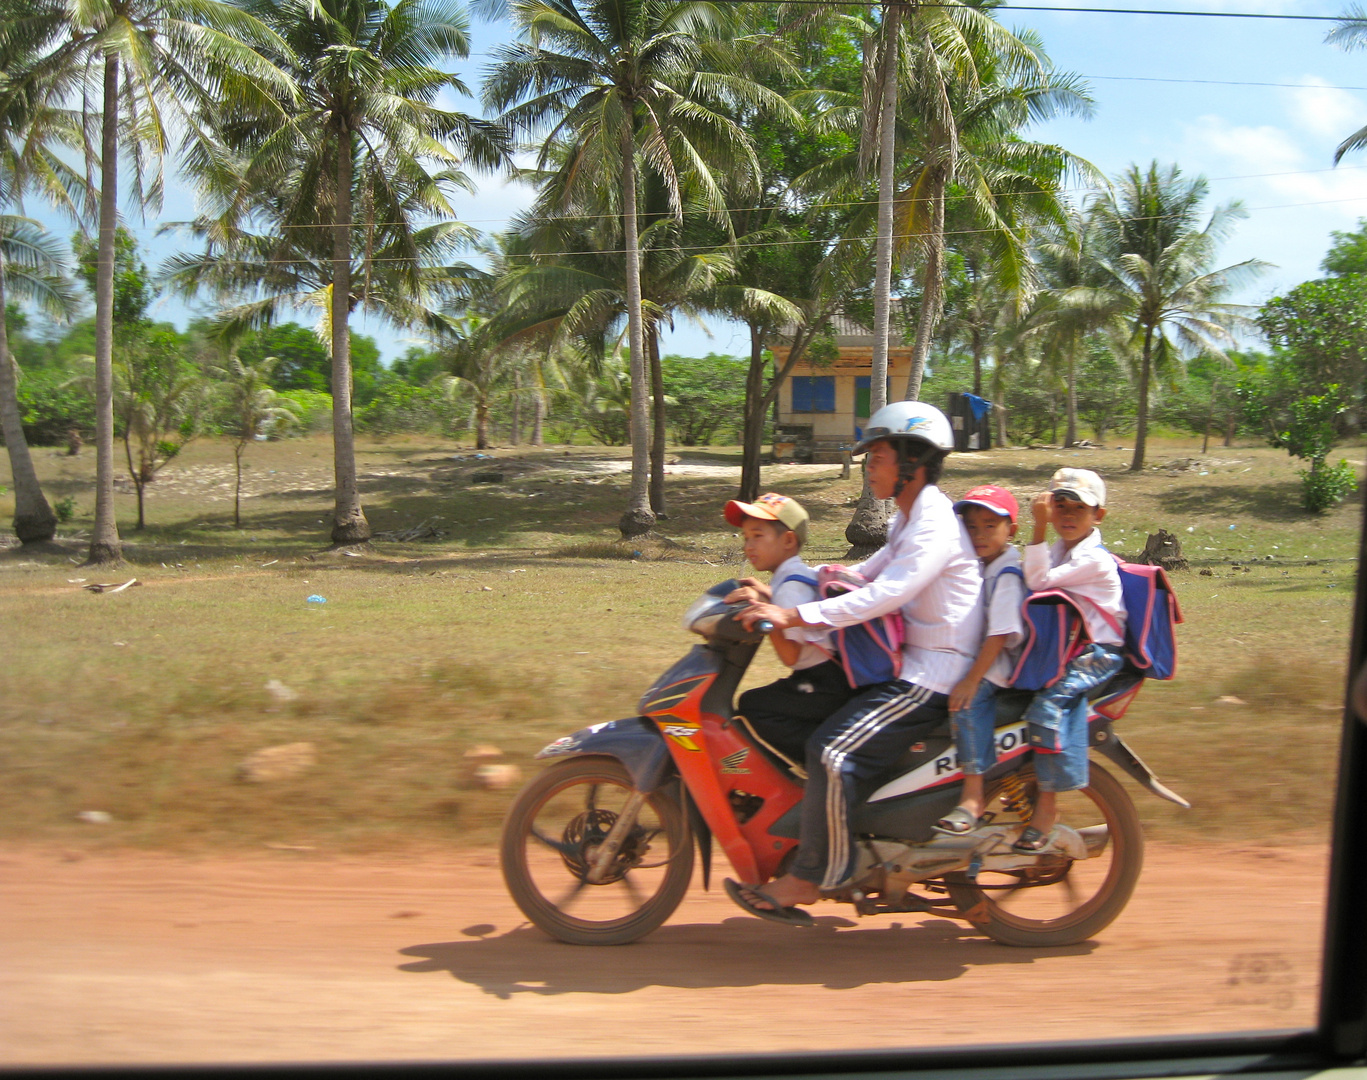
1220, 82
1075, 10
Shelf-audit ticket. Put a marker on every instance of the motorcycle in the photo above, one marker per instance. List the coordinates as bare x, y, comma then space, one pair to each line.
599, 848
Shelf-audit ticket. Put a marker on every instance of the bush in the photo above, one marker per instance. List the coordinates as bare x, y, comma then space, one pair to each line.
1324, 485
313, 408
400, 406
51, 405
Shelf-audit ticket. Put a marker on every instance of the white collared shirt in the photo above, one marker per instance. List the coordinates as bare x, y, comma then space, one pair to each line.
1002, 597
929, 570
789, 593
1086, 571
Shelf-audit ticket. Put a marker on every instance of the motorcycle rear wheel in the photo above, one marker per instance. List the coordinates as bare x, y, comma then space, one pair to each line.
1075, 900
549, 837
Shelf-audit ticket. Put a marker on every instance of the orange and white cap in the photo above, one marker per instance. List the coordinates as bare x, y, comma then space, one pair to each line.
770, 507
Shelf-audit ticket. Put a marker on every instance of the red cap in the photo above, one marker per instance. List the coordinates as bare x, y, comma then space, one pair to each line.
992, 497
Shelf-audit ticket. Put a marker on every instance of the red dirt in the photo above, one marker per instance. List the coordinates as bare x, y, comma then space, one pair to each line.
137, 957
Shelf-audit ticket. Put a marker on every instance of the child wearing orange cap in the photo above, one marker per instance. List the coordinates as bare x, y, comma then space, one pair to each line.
782, 715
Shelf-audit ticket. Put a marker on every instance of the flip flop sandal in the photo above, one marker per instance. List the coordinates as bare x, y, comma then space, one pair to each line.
792, 916
957, 822
1031, 841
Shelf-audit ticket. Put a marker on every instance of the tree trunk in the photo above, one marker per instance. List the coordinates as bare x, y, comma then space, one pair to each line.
660, 420
1070, 434
482, 424
349, 524
539, 416
1141, 426
882, 258
752, 437
638, 517
104, 540
932, 286
134, 473
978, 361
34, 521
515, 419
237, 491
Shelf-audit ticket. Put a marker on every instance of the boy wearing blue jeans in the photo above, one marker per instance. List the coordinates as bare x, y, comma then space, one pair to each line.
989, 514
1077, 564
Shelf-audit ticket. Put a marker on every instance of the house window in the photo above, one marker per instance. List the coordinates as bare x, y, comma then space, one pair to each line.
863, 388
813, 393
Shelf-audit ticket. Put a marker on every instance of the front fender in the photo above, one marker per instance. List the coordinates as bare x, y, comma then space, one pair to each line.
634, 741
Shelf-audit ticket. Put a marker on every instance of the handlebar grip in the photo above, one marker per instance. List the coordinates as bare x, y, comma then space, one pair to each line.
764, 626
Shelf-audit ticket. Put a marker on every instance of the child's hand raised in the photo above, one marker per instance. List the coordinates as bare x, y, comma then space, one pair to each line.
1040, 507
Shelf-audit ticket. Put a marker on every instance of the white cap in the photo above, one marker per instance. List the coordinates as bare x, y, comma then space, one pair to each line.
1080, 484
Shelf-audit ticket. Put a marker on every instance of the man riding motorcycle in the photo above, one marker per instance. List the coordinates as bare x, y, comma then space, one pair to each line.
928, 570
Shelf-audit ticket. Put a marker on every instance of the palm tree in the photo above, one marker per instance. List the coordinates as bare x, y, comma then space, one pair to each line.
1152, 262
249, 406
33, 133
623, 88
1348, 35
364, 130
155, 67
33, 268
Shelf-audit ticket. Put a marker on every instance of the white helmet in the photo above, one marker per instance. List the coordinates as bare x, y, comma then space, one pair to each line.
908, 420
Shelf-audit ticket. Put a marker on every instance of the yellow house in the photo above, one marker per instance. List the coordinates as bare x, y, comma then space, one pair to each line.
822, 408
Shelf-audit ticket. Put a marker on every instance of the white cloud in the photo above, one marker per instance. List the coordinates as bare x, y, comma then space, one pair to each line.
1325, 111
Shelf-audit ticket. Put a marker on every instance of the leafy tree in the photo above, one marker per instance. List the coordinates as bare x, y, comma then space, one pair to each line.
159, 401
1323, 327
1348, 253
707, 395
249, 406
1310, 436
1105, 396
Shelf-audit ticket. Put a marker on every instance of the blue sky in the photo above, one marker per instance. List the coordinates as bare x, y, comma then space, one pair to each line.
1270, 147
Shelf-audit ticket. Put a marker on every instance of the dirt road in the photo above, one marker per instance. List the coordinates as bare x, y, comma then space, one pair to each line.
146, 958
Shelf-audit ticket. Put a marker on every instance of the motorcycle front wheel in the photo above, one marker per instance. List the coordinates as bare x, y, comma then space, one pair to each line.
1060, 901
552, 832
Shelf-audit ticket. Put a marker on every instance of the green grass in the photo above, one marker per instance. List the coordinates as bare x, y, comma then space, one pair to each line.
529, 619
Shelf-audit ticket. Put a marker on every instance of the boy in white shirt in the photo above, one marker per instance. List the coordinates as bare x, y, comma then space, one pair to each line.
783, 714
1078, 565
989, 514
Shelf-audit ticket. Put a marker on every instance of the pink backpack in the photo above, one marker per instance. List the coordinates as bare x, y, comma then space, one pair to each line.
870, 652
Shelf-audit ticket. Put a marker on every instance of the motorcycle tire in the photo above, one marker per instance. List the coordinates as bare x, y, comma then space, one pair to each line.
548, 839
1046, 906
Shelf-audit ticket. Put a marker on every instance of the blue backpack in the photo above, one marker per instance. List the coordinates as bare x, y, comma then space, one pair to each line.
1055, 630
870, 652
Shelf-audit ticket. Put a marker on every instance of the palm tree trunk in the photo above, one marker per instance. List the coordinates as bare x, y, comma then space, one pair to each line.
932, 287
349, 524
104, 540
1141, 427
638, 517
34, 521
978, 361
539, 416
482, 424
660, 420
752, 438
237, 489
882, 257
515, 427
868, 528
1070, 435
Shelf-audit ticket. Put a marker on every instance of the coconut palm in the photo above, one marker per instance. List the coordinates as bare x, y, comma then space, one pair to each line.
249, 406
624, 89
1348, 35
1153, 279
154, 67
33, 132
33, 269
364, 132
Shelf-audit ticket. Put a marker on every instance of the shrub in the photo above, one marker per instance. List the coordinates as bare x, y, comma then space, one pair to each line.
313, 408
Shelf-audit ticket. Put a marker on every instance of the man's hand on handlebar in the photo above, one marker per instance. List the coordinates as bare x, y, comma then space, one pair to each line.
751, 591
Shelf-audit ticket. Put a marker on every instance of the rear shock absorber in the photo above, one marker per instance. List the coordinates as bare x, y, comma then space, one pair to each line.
1014, 796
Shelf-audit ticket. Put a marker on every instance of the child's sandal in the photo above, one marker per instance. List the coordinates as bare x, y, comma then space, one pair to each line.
1031, 841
